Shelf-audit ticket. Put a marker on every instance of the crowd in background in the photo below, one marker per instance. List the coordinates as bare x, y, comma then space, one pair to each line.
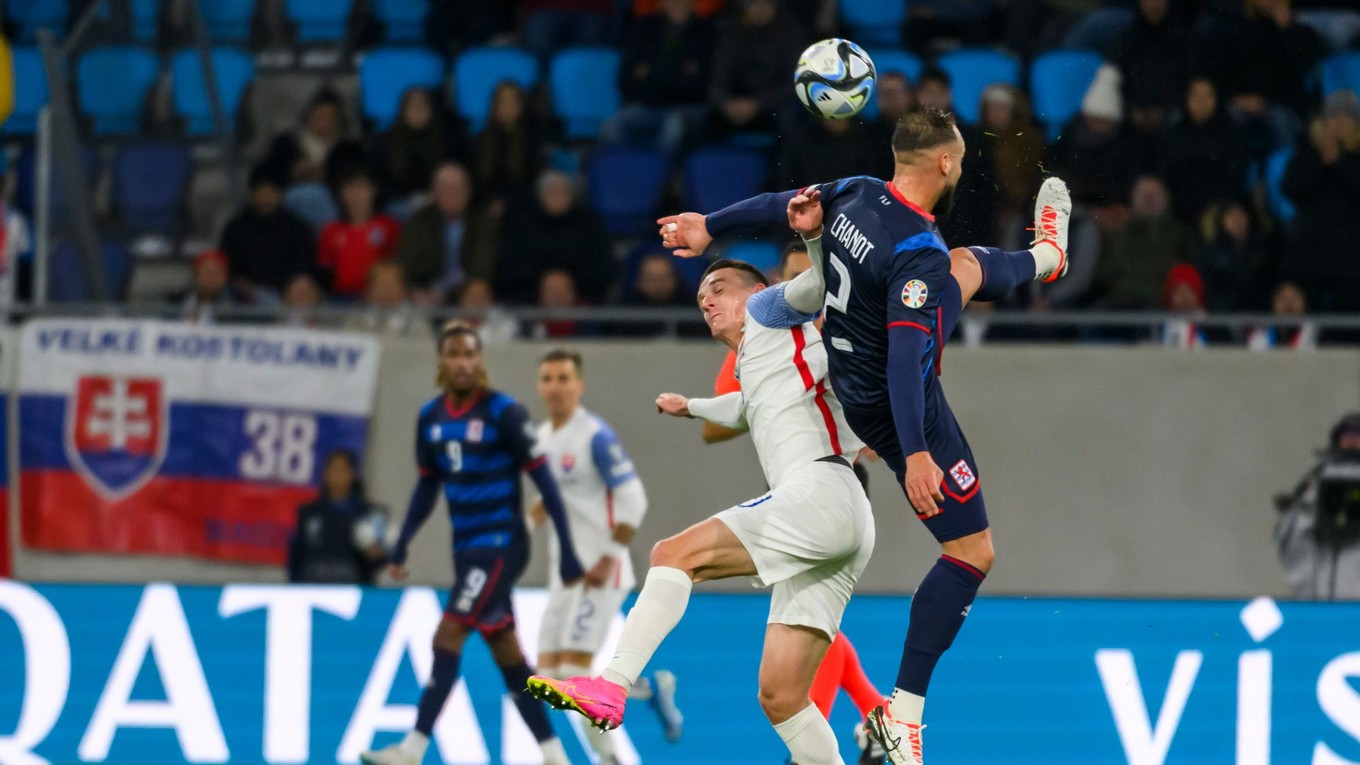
1166, 160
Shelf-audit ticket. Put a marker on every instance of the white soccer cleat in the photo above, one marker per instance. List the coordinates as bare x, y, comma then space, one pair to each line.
1052, 219
870, 751
901, 741
391, 755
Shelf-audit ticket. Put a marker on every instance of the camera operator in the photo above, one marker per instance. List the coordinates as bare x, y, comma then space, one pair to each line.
1318, 534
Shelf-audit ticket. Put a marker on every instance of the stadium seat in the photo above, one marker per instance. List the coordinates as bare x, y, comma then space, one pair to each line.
113, 83
1057, 81
404, 19
1280, 205
761, 254
585, 89
146, 17
233, 70
149, 182
26, 180
970, 71
875, 22
718, 176
229, 20
888, 60
625, 188
480, 70
31, 15
319, 21
30, 92
386, 73
1341, 71
67, 282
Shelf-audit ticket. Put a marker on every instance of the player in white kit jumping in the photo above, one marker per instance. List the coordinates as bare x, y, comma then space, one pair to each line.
605, 502
808, 538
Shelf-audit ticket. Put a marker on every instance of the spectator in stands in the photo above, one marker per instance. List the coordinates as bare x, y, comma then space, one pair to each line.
895, 97
351, 245
557, 289
266, 244
338, 538
657, 284
1133, 267
16, 248
437, 244
1183, 295
1152, 55
388, 307
1233, 261
211, 290
1288, 304
494, 324
407, 154
967, 21
556, 233
551, 25
303, 151
663, 78
750, 80
1323, 180
506, 158
1269, 60
301, 299
817, 148
1094, 154
935, 91
1205, 156
1010, 155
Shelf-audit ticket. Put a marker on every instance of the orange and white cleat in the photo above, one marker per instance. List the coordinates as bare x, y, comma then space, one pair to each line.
601, 701
1052, 218
901, 741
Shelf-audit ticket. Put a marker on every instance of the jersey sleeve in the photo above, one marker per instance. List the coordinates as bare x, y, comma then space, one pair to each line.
770, 308
916, 282
611, 461
427, 463
520, 437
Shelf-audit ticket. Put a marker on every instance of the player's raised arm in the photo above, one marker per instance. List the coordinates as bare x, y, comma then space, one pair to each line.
520, 435
807, 291
689, 234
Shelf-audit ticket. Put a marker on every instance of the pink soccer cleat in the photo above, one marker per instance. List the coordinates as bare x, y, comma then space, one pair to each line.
601, 701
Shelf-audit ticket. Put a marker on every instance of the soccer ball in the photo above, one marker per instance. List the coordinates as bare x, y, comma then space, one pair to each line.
834, 79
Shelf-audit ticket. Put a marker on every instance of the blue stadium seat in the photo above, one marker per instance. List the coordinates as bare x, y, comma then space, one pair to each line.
149, 182
319, 21
146, 17
26, 180
875, 22
585, 89
480, 70
1341, 71
404, 19
970, 71
718, 176
113, 83
625, 188
761, 254
30, 15
386, 73
1058, 81
1280, 205
67, 283
228, 20
30, 92
233, 69
888, 60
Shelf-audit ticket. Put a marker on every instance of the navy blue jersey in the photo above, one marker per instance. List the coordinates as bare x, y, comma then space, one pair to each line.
886, 266
477, 453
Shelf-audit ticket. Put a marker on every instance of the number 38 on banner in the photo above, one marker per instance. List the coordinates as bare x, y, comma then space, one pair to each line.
282, 447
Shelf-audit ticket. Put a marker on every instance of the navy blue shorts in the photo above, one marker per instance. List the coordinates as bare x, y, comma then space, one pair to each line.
483, 579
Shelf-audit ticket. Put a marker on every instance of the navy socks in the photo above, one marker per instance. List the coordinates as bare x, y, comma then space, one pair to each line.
442, 678
937, 612
1002, 271
533, 711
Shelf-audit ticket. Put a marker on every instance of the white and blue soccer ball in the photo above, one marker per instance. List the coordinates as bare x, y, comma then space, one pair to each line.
834, 79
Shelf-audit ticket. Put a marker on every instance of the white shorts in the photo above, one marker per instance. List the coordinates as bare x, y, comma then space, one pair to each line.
810, 539
578, 618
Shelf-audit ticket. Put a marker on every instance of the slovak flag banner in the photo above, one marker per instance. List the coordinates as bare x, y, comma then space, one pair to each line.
172, 439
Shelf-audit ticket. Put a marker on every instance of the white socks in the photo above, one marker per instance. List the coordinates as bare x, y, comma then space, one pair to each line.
906, 707
658, 609
1046, 258
809, 738
602, 743
415, 744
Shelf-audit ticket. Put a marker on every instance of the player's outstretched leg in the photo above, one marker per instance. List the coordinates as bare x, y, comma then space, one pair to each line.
788, 664
707, 550
990, 273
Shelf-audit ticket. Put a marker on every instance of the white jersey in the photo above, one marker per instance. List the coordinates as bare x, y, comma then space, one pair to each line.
590, 466
793, 415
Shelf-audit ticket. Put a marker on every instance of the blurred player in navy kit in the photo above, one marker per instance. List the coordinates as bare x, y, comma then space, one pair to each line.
894, 292
473, 441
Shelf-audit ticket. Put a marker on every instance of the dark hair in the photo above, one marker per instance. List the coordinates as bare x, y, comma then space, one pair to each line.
795, 245
934, 73
564, 354
326, 97
921, 129
356, 486
752, 273
1347, 424
456, 327
268, 173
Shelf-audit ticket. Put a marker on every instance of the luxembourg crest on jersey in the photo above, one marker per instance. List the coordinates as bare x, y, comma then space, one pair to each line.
116, 431
914, 293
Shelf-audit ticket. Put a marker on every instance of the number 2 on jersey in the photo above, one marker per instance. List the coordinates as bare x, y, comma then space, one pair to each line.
840, 299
